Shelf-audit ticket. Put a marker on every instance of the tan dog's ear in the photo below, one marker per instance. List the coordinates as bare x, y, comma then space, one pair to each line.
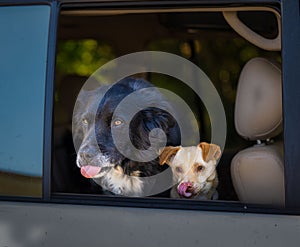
210, 151
166, 154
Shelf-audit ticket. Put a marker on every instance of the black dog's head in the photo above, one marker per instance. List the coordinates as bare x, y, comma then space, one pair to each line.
104, 153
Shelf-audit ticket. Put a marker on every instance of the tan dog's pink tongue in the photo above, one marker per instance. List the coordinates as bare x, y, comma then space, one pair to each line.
90, 171
184, 189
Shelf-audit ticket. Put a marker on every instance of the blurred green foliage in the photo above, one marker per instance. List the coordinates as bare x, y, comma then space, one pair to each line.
82, 57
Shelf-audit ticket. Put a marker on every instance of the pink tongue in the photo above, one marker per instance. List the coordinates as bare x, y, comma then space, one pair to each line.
183, 187
89, 171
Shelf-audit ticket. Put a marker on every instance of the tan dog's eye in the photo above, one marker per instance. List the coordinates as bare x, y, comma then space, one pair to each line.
199, 168
178, 169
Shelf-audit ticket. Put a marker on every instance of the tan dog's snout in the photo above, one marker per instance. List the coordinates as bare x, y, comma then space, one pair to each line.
193, 168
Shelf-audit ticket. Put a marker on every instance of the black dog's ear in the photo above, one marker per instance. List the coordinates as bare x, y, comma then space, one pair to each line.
149, 119
157, 118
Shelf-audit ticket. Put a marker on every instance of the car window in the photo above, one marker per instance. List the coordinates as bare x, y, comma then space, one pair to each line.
204, 39
23, 47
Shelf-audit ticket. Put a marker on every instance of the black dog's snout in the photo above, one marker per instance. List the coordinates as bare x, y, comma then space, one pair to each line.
86, 156
87, 152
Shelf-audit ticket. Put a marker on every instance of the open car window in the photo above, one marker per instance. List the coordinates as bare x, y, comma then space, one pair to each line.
91, 38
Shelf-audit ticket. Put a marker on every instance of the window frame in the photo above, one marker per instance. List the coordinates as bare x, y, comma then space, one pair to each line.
291, 90
291, 101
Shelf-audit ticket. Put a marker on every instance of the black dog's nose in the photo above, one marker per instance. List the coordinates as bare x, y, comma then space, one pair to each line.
86, 156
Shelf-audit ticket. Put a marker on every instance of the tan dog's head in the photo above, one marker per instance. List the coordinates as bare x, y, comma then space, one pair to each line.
192, 166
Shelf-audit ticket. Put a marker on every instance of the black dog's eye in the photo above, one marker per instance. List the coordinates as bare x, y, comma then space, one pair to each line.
85, 121
118, 122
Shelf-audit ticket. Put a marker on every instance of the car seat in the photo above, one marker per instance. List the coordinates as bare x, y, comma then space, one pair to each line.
258, 171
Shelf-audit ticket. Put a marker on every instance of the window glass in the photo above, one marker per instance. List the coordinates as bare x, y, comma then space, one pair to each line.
23, 47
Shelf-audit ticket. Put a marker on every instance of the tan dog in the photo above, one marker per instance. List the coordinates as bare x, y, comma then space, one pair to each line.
194, 170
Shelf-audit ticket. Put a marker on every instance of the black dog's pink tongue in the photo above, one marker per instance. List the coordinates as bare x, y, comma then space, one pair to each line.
185, 189
89, 171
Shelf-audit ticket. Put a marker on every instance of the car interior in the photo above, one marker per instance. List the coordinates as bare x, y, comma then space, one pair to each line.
238, 50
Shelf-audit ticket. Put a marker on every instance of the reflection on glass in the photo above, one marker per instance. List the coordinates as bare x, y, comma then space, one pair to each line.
23, 48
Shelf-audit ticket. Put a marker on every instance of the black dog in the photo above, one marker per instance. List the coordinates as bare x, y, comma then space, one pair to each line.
111, 166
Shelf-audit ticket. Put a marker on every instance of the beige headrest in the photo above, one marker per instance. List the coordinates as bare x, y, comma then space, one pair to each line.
258, 109
258, 175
